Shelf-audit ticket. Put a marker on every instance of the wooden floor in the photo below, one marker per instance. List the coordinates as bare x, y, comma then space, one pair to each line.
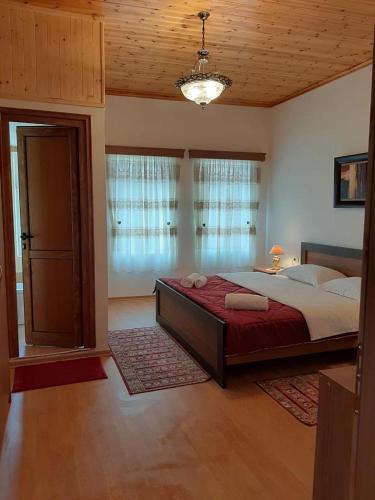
92, 441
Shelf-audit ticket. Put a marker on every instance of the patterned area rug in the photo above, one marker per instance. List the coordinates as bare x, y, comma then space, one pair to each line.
299, 395
149, 359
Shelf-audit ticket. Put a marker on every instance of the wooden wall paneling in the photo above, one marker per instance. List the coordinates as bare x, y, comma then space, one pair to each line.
43, 49
88, 67
6, 54
50, 56
76, 56
29, 49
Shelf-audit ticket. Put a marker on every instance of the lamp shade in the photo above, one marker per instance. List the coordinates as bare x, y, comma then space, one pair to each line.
277, 250
202, 91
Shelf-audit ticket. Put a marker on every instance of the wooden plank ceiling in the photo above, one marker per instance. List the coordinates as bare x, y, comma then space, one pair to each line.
272, 49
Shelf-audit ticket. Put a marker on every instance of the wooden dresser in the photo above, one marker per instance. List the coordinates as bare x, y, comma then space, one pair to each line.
335, 434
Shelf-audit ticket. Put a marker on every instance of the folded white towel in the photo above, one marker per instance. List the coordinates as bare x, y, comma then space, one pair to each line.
200, 282
189, 281
246, 301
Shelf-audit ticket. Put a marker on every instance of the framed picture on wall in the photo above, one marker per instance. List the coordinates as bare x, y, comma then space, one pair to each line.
350, 180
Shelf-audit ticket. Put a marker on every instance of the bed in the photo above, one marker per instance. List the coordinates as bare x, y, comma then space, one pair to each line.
208, 331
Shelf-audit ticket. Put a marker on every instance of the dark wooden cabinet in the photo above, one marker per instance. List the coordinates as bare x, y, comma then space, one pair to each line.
334, 456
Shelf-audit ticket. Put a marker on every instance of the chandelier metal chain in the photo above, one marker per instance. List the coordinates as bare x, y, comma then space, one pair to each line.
203, 32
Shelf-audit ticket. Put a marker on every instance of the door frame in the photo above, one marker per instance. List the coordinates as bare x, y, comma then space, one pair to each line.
5, 394
82, 124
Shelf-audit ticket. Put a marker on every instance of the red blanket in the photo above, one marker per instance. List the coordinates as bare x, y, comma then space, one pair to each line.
247, 331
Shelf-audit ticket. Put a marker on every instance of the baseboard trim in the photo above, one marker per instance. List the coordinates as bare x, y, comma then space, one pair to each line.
62, 356
132, 298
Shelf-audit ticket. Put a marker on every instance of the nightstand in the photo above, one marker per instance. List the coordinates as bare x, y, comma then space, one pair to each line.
266, 270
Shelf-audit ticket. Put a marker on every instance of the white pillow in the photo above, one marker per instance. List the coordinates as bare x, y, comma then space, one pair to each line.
347, 287
311, 274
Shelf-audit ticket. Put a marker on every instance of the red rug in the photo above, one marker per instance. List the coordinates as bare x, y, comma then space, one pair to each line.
43, 375
149, 359
299, 395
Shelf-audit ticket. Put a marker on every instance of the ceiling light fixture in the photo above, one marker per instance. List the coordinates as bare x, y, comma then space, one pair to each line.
202, 86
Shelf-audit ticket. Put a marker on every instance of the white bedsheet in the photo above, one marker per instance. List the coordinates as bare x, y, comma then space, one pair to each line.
326, 314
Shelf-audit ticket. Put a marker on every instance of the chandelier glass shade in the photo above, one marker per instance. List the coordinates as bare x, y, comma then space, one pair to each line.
202, 86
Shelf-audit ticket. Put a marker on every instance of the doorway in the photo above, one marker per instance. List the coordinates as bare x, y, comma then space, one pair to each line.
23, 346
46, 174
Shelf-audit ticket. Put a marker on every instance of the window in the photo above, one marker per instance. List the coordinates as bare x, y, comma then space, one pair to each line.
225, 205
142, 200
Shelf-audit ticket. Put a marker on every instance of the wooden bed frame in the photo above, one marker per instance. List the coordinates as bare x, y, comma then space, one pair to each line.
203, 334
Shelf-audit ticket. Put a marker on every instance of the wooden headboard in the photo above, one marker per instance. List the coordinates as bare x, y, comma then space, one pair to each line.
346, 260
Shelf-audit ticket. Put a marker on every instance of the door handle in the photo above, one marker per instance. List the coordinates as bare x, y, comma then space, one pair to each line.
25, 236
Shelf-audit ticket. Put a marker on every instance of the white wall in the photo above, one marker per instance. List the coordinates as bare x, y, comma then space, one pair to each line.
99, 197
150, 122
301, 138
308, 132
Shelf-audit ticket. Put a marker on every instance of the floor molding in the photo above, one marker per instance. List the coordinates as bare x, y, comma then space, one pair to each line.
136, 297
62, 356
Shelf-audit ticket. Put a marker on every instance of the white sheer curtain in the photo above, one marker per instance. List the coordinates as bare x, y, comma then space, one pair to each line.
16, 209
142, 201
226, 201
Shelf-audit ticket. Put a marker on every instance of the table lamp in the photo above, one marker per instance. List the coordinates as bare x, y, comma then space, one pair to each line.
276, 251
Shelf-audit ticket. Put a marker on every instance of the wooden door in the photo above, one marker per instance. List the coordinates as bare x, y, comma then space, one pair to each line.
364, 484
50, 227
4, 356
